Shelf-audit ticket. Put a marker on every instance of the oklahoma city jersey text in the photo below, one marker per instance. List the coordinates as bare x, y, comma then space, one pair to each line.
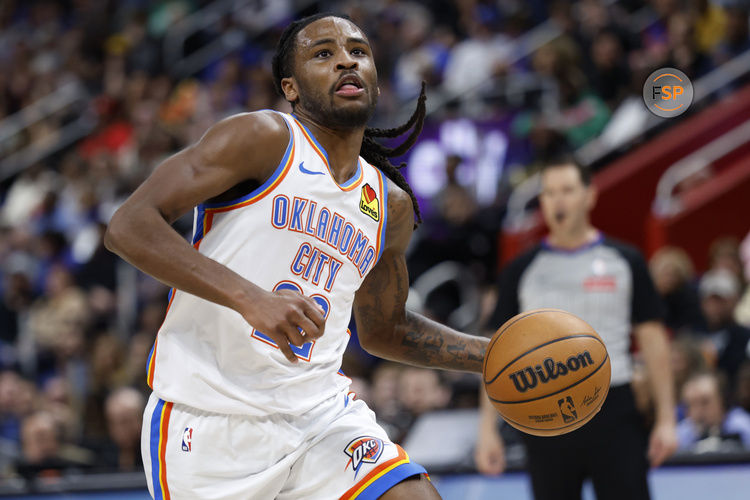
299, 231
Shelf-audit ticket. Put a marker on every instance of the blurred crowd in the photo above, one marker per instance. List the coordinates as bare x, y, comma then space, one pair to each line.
77, 324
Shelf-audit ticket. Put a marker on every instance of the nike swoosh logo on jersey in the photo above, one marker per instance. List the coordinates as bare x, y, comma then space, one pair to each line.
308, 172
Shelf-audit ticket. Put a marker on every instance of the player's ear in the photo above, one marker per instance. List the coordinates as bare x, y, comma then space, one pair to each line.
289, 87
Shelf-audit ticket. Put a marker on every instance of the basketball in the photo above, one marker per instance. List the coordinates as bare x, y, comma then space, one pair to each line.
546, 371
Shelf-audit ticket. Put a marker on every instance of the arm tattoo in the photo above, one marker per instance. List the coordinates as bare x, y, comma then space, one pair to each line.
428, 343
387, 330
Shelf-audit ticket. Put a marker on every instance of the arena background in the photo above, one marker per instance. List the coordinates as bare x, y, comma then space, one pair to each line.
93, 94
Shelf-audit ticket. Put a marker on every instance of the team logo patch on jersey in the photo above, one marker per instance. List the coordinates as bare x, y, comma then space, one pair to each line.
368, 203
187, 439
363, 450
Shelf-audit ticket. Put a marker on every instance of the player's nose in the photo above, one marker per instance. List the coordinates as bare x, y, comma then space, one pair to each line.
346, 61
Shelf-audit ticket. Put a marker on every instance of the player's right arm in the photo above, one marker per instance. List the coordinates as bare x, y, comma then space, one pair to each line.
245, 147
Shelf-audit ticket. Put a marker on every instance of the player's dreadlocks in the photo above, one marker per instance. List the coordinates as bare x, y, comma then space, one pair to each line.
373, 152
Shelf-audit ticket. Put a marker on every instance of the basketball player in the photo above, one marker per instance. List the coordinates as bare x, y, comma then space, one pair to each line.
607, 284
299, 219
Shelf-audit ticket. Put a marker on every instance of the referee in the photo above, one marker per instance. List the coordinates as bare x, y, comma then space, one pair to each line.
606, 283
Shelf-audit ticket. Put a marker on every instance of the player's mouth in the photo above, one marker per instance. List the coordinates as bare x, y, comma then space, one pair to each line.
349, 86
559, 216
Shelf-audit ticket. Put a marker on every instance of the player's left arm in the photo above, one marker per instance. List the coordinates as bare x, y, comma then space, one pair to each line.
384, 326
654, 347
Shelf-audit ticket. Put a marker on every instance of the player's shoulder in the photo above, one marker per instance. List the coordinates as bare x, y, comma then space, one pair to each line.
260, 135
400, 219
524, 259
398, 199
628, 251
262, 124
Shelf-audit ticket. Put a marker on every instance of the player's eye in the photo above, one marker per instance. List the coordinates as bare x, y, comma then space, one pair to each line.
359, 52
323, 53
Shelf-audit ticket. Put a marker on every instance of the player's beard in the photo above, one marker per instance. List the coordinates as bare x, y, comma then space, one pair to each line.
322, 108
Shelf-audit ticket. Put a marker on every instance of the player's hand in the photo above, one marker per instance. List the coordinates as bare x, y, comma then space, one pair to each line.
281, 315
662, 443
489, 453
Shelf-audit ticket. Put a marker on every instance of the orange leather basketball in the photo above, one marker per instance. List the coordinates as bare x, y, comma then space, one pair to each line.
547, 372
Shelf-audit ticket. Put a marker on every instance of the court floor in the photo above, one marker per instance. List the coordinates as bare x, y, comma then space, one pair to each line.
725, 482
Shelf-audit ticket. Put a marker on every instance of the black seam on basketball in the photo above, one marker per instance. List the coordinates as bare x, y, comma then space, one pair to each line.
551, 393
523, 315
573, 336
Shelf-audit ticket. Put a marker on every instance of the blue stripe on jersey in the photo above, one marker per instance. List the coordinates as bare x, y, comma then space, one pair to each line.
354, 178
383, 212
390, 479
154, 449
315, 141
269, 181
150, 357
199, 218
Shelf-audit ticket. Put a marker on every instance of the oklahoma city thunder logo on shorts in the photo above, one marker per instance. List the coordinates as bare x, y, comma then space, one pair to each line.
364, 449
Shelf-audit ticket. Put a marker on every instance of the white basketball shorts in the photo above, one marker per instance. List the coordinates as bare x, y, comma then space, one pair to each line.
335, 451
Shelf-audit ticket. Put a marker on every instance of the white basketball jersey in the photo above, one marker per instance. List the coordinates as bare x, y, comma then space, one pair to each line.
302, 231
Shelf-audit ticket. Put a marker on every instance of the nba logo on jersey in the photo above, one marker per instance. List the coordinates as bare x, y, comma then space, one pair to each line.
187, 439
364, 449
368, 202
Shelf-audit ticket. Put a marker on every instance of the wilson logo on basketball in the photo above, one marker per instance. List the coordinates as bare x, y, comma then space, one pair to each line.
528, 378
368, 203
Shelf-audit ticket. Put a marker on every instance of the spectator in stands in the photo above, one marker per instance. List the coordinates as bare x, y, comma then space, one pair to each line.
62, 308
684, 52
17, 400
420, 391
609, 75
710, 424
57, 400
672, 272
384, 396
124, 412
43, 452
742, 311
736, 38
14, 302
418, 60
106, 373
39, 439
582, 114
742, 393
484, 54
724, 253
453, 233
727, 343
687, 360
710, 21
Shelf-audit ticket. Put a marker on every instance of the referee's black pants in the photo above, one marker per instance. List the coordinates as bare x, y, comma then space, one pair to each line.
610, 449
